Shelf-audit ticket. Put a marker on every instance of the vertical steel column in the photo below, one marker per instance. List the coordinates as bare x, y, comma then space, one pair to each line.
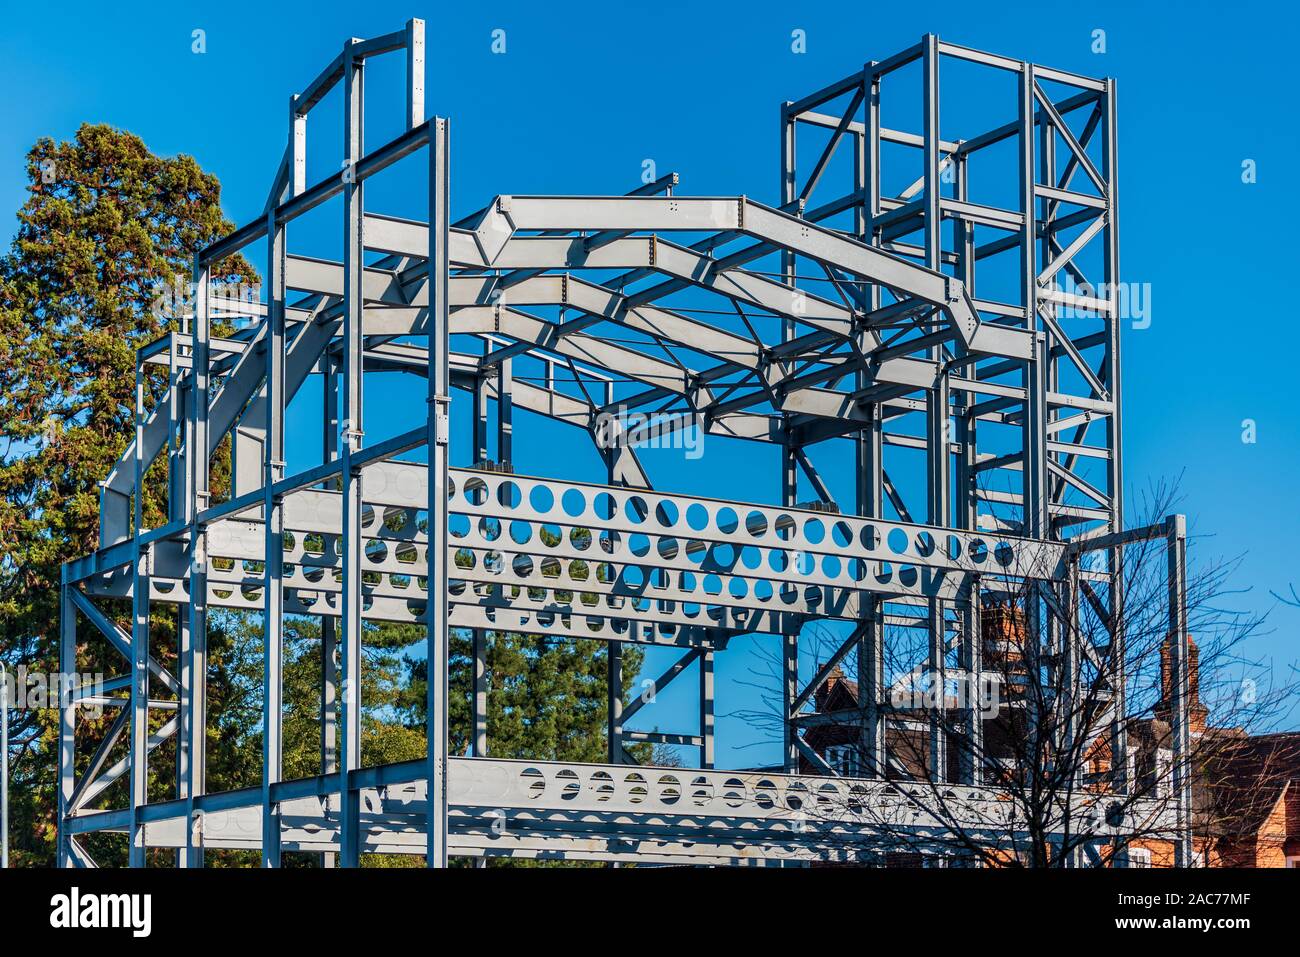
706, 708
273, 510
195, 694
176, 477
505, 414
938, 440
972, 649
1114, 442
297, 148
479, 414
966, 514
505, 456
789, 478
273, 468
1111, 277
1053, 488
479, 739
789, 190
1071, 666
439, 431
140, 568
1047, 245
973, 665
614, 649
1034, 489
789, 694
328, 622
614, 692
790, 640
938, 445
862, 163
353, 392
1028, 201
183, 716
414, 73
1034, 426
931, 149
67, 719
1180, 692
870, 452
479, 455
965, 501
139, 702
329, 677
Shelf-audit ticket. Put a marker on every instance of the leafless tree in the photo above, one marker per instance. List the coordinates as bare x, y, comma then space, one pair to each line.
1023, 747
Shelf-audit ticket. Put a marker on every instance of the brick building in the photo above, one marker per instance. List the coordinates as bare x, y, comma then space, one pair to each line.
1245, 792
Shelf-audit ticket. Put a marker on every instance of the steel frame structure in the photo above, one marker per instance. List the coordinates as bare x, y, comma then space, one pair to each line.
885, 341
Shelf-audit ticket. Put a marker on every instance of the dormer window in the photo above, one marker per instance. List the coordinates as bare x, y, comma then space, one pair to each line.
844, 759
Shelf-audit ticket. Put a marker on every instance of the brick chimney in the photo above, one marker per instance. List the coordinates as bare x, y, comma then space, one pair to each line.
1004, 631
1196, 712
1003, 636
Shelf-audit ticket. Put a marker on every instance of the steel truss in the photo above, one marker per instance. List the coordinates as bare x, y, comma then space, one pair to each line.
881, 320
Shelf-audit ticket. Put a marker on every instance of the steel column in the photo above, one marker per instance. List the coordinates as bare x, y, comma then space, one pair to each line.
353, 433
67, 720
197, 664
273, 509
1180, 690
438, 437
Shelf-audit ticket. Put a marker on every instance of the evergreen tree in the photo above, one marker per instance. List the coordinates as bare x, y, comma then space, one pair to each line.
106, 227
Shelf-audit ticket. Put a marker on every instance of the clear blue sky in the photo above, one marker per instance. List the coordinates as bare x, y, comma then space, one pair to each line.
587, 91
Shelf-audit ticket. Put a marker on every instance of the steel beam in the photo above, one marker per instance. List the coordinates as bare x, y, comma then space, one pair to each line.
439, 432
353, 634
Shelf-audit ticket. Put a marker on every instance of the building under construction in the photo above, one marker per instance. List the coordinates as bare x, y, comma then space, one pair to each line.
935, 318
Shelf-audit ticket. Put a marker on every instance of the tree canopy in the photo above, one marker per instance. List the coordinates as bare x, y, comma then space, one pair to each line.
107, 228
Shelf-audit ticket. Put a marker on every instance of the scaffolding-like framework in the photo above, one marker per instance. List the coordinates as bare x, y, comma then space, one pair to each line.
932, 303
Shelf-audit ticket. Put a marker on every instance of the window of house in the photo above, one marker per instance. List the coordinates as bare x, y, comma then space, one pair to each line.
843, 758
1139, 857
1293, 862
1163, 772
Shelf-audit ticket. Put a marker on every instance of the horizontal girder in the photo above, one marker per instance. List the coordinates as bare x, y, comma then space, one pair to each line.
612, 812
591, 560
